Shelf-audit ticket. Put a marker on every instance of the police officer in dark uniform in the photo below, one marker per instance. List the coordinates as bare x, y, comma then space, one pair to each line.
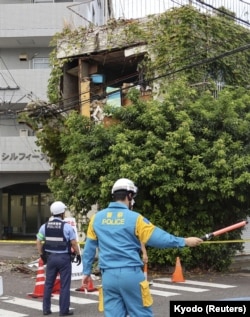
55, 240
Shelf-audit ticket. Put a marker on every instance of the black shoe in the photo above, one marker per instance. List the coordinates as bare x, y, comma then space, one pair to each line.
47, 312
69, 313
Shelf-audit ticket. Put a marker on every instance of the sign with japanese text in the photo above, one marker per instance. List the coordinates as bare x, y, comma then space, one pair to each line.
76, 269
21, 154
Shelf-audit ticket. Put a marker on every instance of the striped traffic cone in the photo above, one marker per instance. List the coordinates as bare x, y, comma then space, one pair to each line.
40, 280
90, 287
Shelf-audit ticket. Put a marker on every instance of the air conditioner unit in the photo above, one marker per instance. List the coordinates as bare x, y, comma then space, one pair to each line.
23, 57
23, 132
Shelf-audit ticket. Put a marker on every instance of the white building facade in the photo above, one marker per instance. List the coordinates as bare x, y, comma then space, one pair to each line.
26, 30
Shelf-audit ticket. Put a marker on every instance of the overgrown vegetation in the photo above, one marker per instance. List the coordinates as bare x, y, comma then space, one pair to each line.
187, 151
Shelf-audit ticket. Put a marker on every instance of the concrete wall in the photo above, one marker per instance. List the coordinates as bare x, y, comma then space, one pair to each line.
10, 57
24, 21
31, 84
9, 127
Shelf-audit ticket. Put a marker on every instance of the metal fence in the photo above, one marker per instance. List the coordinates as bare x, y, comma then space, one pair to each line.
132, 9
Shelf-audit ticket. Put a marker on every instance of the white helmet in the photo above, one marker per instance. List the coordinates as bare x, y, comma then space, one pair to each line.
124, 184
57, 208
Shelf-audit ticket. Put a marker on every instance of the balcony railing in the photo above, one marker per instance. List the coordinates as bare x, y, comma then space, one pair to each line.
132, 9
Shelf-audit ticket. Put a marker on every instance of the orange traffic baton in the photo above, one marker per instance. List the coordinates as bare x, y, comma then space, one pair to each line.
210, 235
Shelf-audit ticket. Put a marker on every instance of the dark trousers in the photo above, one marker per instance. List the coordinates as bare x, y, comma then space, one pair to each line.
58, 263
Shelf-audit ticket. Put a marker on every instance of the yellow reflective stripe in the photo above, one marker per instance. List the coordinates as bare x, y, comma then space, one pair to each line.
143, 230
91, 233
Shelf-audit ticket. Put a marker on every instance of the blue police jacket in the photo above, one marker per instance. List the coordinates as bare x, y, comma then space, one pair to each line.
117, 232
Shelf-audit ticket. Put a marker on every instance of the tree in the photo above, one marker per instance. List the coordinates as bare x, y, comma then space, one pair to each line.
189, 156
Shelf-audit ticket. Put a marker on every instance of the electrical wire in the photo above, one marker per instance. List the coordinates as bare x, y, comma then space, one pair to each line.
226, 13
17, 87
74, 101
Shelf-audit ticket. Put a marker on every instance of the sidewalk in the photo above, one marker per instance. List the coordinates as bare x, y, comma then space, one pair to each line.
241, 263
18, 250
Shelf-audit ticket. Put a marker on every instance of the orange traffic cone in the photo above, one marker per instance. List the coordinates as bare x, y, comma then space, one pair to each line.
57, 285
90, 287
40, 280
177, 275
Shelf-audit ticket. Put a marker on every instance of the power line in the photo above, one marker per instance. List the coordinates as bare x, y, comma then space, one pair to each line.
8, 87
223, 11
207, 60
74, 101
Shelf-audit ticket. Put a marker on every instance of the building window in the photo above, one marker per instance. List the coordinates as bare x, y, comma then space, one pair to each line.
41, 63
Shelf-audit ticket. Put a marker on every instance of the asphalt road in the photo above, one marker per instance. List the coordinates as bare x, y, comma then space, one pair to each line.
19, 281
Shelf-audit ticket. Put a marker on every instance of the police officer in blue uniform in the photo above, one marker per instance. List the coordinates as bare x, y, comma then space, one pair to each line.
56, 241
118, 232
